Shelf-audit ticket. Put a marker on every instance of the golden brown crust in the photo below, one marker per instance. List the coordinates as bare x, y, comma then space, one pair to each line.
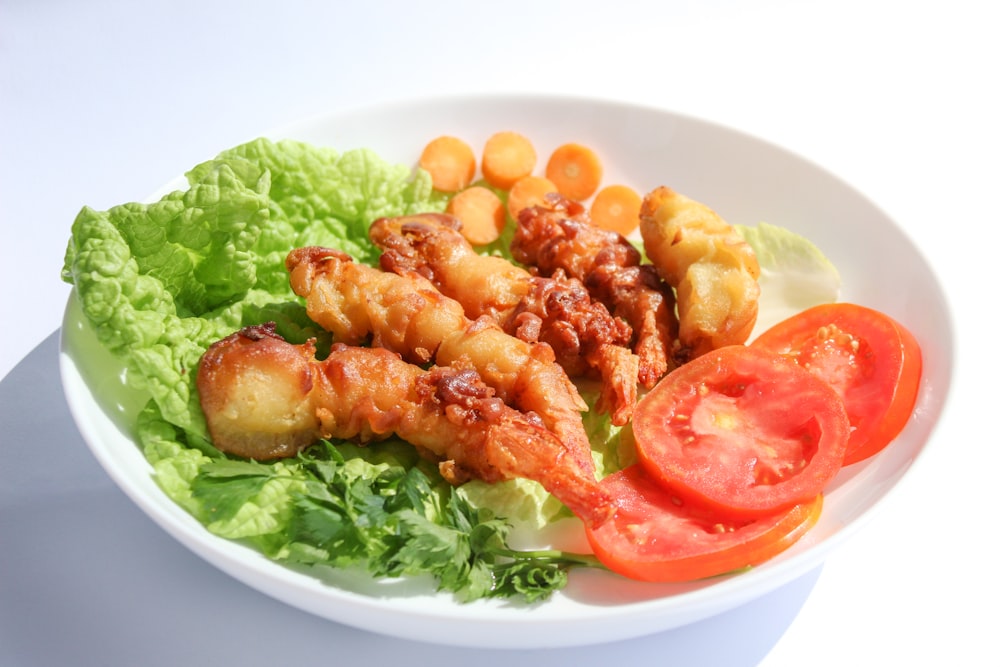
264, 398
558, 236
252, 390
713, 270
557, 310
408, 315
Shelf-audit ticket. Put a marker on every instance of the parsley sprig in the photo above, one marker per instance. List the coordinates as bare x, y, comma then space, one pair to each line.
391, 519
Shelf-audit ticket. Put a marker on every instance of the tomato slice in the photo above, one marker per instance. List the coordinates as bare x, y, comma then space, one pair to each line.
655, 535
872, 361
742, 429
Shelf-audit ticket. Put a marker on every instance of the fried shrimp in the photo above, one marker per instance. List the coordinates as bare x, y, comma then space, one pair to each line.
712, 268
557, 310
265, 398
408, 315
558, 236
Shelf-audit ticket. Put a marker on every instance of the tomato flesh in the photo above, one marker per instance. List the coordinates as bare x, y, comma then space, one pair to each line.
872, 361
742, 430
657, 536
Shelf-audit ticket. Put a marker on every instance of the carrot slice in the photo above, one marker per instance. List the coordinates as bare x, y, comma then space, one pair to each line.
450, 162
481, 212
528, 191
616, 208
576, 170
507, 158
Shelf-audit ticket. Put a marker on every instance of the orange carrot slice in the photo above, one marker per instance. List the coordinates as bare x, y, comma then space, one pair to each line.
528, 191
507, 158
576, 170
450, 162
482, 214
616, 208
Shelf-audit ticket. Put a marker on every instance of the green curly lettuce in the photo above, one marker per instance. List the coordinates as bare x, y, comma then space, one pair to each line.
160, 282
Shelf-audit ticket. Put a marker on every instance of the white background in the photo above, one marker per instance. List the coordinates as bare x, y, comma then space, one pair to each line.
102, 102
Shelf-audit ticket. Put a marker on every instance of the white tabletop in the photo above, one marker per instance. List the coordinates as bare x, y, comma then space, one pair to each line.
102, 102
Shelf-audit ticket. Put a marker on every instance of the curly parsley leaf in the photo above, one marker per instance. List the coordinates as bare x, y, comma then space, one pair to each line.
392, 519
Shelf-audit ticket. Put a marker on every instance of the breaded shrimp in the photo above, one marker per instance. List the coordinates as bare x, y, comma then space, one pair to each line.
557, 235
432, 245
408, 315
557, 310
265, 398
712, 268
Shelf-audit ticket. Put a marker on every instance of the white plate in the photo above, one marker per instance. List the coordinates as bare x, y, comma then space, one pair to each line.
744, 179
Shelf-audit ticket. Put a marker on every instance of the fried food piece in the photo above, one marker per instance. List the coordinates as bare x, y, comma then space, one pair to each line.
557, 310
559, 236
560, 312
707, 262
265, 398
432, 245
408, 315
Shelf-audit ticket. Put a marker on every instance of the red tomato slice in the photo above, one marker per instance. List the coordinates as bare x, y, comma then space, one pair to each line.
872, 361
657, 536
742, 429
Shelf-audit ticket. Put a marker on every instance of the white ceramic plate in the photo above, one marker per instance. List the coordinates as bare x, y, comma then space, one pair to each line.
744, 179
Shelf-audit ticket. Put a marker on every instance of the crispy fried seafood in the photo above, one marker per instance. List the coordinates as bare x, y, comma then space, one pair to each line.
265, 398
557, 310
408, 315
712, 268
558, 236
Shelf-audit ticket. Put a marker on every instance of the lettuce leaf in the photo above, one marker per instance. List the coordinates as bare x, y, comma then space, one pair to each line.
161, 281
794, 273
792, 266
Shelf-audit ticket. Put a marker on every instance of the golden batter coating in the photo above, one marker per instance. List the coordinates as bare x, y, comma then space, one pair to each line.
558, 235
265, 398
713, 270
557, 310
408, 315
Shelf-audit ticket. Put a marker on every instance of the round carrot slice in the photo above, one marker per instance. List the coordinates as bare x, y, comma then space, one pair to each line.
576, 170
616, 208
507, 158
528, 191
450, 162
482, 214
